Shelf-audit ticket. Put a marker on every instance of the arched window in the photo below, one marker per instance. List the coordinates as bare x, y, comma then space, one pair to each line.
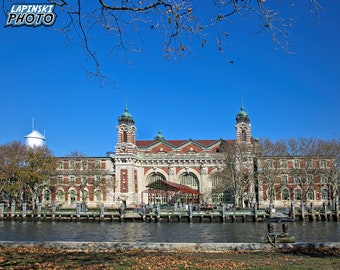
244, 135
271, 194
310, 194
324, 194
285, 194
60, 196
47, 195
190, 180
72, 197
98, 195
216, 182
85, 195
219, 192
125, 136
297, 194
154, 177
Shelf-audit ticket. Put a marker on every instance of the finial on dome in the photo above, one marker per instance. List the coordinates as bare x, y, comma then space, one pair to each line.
159, 136
126, 106
242, 116
126, 117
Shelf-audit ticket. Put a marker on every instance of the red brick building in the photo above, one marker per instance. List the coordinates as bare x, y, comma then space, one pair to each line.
210, 171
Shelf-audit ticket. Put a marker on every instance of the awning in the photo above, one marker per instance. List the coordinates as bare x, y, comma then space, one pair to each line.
171, 186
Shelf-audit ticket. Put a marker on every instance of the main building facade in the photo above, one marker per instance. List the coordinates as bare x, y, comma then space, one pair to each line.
162, 171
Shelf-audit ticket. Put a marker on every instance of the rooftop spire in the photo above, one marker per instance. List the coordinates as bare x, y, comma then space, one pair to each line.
126, 106
242, 116
126, 117
159, 136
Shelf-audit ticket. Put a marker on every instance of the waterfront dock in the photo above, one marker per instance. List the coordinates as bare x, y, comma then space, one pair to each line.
170, 214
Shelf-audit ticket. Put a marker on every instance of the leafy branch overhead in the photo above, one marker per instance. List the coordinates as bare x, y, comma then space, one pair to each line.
183, 24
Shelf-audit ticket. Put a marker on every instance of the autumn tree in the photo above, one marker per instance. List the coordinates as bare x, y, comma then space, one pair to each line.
24, 171
182, 24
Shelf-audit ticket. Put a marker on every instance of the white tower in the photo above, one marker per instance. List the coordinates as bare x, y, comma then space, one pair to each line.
35, 138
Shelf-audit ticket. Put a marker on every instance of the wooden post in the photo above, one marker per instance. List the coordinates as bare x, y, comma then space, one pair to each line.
24, 210
101, 211
302, 211
2, 210
223, 212
312, 211
53, 210
78, 206
337, 207
255, 213
325, 211
292, 211
13, 209
39, 210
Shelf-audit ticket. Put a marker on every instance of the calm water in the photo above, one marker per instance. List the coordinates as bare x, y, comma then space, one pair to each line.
163, 232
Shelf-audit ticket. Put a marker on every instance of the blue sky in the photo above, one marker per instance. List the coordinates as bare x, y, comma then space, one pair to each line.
198, 97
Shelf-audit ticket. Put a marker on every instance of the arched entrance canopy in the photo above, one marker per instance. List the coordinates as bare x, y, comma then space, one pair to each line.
165, 192
171, 186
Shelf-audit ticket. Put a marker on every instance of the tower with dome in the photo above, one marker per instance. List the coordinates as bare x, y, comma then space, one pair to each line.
35, 139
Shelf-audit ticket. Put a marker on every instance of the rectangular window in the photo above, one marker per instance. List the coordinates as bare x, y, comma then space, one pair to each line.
72, 165
297, 163
84, 180
284, 164
269, 163
297, 180
310, 178
309, 164
97, 179
97, 164
72, 179
323, 164
284, 179
60, 166
84, 165
60, 180
323, 179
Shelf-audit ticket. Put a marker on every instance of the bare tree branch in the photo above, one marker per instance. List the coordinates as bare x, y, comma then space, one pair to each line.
179, 21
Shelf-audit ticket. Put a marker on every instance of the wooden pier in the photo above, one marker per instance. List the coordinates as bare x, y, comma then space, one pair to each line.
166, 215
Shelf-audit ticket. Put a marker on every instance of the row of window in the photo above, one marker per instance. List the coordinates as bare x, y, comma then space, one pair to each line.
297, 195
73, 195
297, 179
226, 196
297, 164
79, 165
217, 180
73, 178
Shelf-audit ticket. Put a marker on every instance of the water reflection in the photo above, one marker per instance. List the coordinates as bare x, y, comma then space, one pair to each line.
162, 232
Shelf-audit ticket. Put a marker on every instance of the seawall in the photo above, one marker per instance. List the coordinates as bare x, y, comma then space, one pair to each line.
144, 246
